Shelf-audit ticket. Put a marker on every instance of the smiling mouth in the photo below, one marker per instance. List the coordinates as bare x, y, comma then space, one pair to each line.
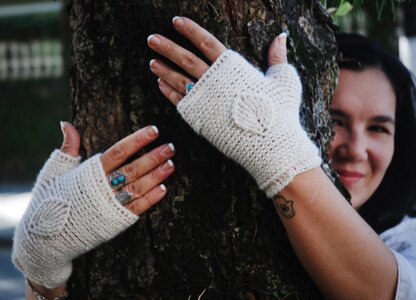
349, 178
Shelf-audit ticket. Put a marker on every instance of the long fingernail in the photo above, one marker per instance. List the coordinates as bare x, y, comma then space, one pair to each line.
167, 166
153, 40
177, 21
168, 149
63, 124
162, 187
152, 131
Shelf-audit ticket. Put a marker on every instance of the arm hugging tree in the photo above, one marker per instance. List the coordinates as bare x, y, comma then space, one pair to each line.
214, 232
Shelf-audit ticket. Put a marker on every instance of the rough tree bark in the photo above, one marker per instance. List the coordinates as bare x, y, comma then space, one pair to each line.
214, 233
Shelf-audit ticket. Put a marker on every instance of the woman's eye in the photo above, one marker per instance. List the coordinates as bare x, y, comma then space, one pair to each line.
337, 122
379, 129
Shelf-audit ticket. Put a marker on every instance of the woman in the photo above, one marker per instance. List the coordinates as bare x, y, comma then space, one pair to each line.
261, 122
342, 254
361, 58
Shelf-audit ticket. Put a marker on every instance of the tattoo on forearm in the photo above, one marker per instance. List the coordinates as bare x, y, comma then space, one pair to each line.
284, 206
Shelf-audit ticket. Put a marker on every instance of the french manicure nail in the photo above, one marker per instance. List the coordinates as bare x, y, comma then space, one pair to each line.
177, 21
171, 147
167, 166
283, 34
168, 149
151, 63
153, 40
162, 187
152, 131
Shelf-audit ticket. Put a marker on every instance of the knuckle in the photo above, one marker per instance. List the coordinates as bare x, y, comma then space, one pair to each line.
171, 94
134, 189
181, 84
207, 44
189, 61
117, 152
148, 200
138, 139
190, 30
130, 171
153, 159
153, 177
168, 49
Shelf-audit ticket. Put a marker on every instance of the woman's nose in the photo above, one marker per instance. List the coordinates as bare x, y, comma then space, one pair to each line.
354, 147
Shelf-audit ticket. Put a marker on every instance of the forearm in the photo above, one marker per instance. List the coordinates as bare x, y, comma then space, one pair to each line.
47, 293
343, 255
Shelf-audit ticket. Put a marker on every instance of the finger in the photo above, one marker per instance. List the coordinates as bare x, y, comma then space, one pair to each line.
278, 51
147, 162
185, 59
175, 79
147, 182
122, 150
201, 38
169, 92
71, 141
145, 202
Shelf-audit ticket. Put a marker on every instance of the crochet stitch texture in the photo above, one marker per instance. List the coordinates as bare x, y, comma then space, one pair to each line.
253, 118
73, 210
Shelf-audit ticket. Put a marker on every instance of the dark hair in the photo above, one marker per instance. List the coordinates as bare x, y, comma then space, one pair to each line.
395, 197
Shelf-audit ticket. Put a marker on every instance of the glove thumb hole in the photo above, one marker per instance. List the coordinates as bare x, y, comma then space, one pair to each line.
71, 141
277, 51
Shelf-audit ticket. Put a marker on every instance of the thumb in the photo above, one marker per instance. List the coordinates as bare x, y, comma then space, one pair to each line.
71, 141
278, 51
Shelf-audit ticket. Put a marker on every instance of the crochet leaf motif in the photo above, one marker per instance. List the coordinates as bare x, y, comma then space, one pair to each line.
252, 113
50, 217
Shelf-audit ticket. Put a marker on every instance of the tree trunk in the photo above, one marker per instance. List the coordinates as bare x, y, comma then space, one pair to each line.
215, 233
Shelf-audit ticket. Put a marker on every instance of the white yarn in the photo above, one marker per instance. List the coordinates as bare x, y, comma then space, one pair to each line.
73, 210
253, 119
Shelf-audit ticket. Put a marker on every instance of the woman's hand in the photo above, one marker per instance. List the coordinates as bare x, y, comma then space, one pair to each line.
75, 206
251, 117
172, 83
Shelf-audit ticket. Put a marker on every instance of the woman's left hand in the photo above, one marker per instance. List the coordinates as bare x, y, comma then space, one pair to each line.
252, 117
173, 83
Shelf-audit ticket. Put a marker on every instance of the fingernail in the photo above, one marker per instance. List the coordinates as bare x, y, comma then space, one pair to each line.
153, 40
177, 21
62, 123
167, 166
168, 149
282, 39
152, 63
162, 187
152, 131
161, 83
283, 34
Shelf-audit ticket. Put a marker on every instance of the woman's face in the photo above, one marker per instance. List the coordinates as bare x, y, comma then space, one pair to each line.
363, 111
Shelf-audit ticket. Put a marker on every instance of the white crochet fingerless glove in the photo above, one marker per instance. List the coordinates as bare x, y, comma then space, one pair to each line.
73, 210
253, 119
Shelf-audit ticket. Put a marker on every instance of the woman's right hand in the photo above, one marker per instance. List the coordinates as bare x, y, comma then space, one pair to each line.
74, 208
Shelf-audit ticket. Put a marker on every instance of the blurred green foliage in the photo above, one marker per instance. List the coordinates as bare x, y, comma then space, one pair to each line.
374, 19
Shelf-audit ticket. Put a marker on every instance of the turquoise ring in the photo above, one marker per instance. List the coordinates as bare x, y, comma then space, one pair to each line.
117, 180
189, 86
